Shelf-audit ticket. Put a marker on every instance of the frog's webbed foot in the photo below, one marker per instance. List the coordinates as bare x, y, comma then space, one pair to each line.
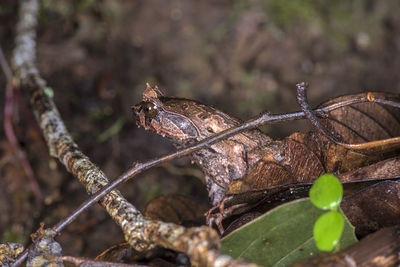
216, 218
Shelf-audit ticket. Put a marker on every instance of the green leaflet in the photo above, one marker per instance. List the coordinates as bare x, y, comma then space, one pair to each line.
326, 193
328, 229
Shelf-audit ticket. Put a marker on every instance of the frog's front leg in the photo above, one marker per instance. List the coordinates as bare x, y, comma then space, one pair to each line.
216, 218
222, 163
233, 159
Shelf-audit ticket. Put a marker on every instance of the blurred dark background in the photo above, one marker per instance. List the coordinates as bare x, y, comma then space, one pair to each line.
242, 56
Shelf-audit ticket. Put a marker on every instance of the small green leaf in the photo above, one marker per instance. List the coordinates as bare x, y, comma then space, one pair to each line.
328, 229
326, 193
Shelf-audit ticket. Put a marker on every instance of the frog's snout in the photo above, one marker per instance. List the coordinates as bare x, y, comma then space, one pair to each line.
136, 113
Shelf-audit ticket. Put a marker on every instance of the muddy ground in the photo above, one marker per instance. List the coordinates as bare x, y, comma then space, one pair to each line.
240, 56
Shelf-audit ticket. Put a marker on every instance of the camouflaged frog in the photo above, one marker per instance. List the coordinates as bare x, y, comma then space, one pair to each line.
185, 122
251, 161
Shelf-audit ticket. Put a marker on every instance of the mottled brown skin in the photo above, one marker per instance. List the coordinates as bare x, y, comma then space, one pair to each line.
252, 161
185, 122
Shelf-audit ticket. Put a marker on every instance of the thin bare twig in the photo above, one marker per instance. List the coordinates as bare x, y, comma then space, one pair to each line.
305, 107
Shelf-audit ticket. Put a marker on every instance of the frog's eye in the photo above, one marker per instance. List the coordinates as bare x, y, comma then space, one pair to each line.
150, 109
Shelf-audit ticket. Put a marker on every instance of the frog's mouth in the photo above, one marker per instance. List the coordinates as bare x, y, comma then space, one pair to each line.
136, 111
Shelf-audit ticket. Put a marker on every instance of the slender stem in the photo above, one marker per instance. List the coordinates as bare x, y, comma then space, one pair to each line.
305, 107
369, 97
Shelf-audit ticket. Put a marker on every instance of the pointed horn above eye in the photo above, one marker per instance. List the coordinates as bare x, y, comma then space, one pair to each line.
158, 91
151, 92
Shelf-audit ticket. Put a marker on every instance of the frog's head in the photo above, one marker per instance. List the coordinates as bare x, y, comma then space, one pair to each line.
165, 116
181, 120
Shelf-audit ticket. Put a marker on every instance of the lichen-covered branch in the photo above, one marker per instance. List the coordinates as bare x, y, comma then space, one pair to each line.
201, 244
9, 252
58, 139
